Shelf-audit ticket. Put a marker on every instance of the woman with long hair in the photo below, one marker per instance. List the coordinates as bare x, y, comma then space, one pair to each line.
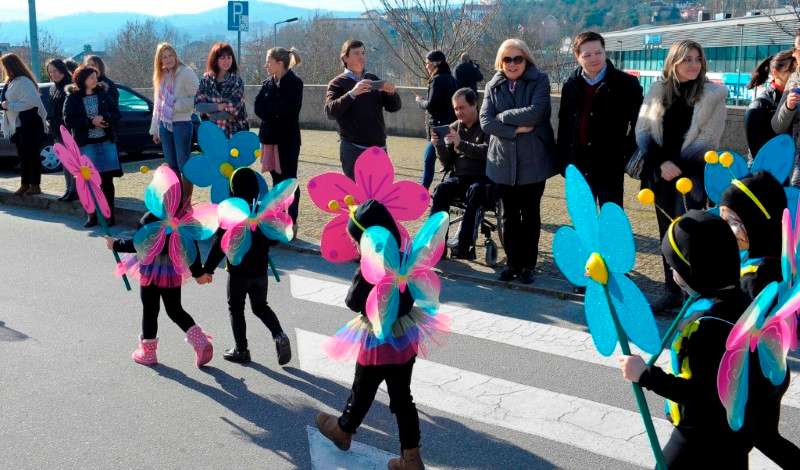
278, 106
773, 72
522, 151
174, 88
220, 97
91, 115
682, 117
97, 63
60, 76
437, 106
24, 120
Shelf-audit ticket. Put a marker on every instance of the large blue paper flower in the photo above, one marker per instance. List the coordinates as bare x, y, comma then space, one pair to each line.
597, 253
219, 158
775, 157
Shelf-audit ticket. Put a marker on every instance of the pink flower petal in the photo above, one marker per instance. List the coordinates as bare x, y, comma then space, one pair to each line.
329, 187
406, 200
83, 195
374, 173
336, 245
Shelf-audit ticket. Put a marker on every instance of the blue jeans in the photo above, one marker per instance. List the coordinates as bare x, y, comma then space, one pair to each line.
176, 145
429, 165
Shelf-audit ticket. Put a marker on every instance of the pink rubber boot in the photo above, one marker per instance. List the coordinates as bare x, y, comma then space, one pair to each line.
145, 354
203, 349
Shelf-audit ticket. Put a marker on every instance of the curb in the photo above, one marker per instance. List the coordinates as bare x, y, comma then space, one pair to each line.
129, 216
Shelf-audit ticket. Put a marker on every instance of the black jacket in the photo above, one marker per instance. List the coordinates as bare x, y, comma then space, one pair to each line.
112, 88
468, 75
278, 107
125, 245
612, 121
360, 119
255, 262
758, 119
469, 158
438, 105
356, 299
76, 119
55, 115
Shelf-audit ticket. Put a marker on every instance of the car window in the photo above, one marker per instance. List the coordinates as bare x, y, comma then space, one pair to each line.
130, 102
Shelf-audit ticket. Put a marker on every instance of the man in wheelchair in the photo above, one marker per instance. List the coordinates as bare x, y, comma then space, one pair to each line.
461, 148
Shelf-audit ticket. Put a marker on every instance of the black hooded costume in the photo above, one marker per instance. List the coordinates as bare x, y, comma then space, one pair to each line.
702, 249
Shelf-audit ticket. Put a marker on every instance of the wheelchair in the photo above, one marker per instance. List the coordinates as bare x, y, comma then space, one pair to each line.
489, 219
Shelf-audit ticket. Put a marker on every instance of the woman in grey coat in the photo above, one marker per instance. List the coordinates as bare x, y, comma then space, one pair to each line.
521, 157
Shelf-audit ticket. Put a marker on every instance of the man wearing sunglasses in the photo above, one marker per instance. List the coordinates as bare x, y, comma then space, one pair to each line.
597, 118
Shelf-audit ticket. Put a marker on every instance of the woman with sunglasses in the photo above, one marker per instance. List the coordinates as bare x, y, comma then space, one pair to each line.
682, 117
516, 117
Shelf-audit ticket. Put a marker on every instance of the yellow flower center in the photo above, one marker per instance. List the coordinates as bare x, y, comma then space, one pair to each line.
596, 268
226, 169
86, 173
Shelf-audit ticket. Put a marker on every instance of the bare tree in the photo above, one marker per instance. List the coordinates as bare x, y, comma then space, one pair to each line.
777, 8
130, 52
411, 28
49, 48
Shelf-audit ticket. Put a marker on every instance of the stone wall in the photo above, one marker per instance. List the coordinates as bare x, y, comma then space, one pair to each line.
410, 120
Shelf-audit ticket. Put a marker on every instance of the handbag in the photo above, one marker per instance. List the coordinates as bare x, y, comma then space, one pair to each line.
635, 164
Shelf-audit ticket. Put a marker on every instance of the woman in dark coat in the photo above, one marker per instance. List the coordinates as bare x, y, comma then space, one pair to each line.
437, 106
758, 117
516, 116
278, 106
60, 76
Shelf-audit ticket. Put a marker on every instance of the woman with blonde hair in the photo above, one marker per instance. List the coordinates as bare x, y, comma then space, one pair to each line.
174, 89
24, 120
278, 106
682, 117
516, 118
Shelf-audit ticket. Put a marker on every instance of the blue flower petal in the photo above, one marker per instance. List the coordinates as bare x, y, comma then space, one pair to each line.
634, 313
598, 318
616, 239
220, 190
199, 171
246, 143
792, 197
717, 178
776, 157
570, 256
213, 143
582, 208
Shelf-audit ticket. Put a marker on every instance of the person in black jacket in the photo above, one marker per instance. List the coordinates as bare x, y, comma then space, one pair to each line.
759, 233
248, 278
60, 76
468, 73
357, 105
278, 106
463, 154
437, 106
597, 118
758, 117
91, 114
704, 256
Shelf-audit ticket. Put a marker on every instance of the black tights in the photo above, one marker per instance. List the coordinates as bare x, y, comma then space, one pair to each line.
239, 287
151, 303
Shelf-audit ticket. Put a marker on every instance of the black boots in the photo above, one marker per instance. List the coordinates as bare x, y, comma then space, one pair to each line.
235, 355
283, 348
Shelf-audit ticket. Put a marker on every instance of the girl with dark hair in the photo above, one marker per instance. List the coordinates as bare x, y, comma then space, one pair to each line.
23, 121
758, 117
60, 76
91, 114
437, 106
220, 97
278, 106
785, 116
97, 63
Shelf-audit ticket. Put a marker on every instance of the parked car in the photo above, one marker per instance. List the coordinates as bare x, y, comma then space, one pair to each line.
133, 136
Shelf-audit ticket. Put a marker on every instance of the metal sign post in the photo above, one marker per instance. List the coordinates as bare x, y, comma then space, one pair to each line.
238, 20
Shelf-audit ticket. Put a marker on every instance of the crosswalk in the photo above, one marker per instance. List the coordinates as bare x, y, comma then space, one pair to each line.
591, 426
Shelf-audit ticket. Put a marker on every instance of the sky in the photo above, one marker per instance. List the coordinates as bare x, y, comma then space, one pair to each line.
18, 9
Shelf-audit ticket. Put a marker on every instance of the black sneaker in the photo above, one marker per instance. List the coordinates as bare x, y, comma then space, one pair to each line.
235, 355
668, 302
91, 221
283, 348
509, 274
526, 276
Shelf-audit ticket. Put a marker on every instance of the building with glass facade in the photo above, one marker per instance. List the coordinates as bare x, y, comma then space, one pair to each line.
733, 48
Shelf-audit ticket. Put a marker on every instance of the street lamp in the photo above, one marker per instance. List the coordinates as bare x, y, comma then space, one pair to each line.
34, 38
275, 30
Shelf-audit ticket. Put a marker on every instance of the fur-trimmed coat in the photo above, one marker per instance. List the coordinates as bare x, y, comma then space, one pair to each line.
705, 130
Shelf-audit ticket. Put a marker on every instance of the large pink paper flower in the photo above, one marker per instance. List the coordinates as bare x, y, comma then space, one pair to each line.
87, 179
337, 194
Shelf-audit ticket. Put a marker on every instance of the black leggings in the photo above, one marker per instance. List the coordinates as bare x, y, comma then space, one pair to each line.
713, 451
151, 303
289, 155
29, 140
239, 287
522, 223
398, 383
107, 185
766, 435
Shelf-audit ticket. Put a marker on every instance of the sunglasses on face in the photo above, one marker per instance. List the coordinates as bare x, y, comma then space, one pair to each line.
517, 59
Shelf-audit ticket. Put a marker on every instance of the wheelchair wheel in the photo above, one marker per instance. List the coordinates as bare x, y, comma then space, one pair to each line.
491, 253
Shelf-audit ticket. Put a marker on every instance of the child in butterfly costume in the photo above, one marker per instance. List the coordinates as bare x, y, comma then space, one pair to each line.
703, 254
167, 254
386, 341
753, 208
248, 267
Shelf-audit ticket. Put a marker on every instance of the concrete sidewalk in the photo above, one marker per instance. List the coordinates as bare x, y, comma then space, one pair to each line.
320, 154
